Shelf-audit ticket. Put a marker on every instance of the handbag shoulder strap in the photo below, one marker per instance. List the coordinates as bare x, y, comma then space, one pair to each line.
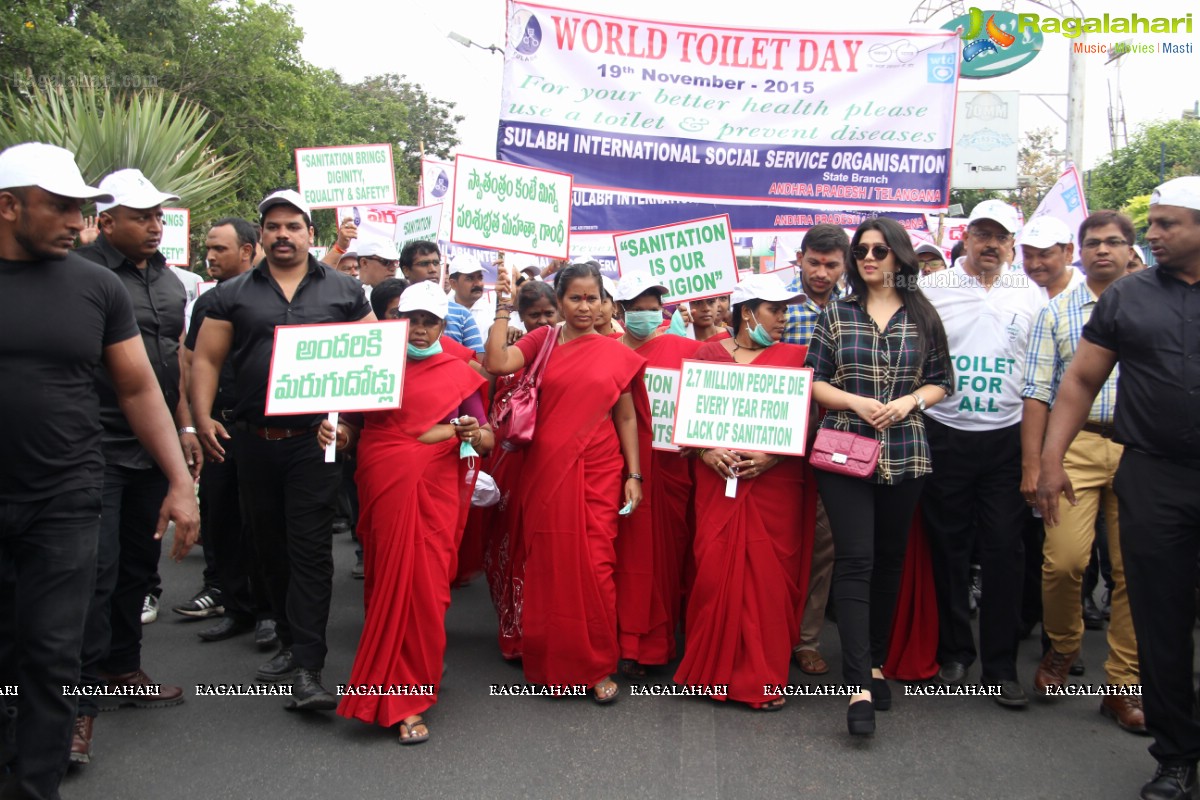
539, 361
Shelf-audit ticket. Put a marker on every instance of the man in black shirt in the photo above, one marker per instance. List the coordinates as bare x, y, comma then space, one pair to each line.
1149, 323
134, 486
289, 492
62, 318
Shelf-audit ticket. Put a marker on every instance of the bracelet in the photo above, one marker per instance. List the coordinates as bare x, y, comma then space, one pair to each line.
338, 249
500, 317
187, 429
505, 307
633, 476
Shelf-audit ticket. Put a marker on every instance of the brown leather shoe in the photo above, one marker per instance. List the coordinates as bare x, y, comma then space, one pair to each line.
1054, 669
137, 690
1127, 711
810, 662
81, 740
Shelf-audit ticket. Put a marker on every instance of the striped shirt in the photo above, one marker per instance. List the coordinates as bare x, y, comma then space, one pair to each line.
1052, 345
461, 327
848, 352
802, 317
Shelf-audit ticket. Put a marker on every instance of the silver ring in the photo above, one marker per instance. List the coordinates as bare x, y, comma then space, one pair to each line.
895, 417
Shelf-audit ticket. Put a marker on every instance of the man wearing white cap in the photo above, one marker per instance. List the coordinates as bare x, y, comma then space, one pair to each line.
975, 443
134, 487
51, 458
1149, 324
466, 282
289, 492
1047, 249
377, 261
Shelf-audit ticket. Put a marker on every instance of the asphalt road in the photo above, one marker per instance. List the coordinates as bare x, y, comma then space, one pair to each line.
652, 747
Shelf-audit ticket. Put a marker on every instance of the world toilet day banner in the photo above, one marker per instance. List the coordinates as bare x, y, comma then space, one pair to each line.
842, 119
329, 177
693, 259
508, 207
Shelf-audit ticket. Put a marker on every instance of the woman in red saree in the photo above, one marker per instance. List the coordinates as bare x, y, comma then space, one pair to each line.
652, 548
412, 487
583, 465
706, 319
749, 552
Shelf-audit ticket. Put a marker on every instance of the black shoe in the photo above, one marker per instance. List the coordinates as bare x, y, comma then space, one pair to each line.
282, 666
1171, 782
226, 628
357, 572
1093, 620
881, 693
1078, 668
206, 603
308, 694
341, 526
952, 673
1011, 694
264, 634
1106, 604
860, 718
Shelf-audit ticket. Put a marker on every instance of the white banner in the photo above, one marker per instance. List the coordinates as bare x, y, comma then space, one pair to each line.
329, 177
374, 222
502, 206
987, 137
176, 244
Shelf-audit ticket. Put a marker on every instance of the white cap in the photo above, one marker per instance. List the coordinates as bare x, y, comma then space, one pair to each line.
377, 248
285, 197
1046, 231
763, 287
425, 296
930, 247
997, 211
1141, 254
46, 167
635, 284
610, 286
1183, 192
130, 188
463, 264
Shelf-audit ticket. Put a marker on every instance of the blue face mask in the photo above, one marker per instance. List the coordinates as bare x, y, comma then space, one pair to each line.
419, 353
759, 334
642, 324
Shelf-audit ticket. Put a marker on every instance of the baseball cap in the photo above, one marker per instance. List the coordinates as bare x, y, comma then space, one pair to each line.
1183, 192
132, 189
996, 211
763, 287
425, 296
1046, 231
610, 286
463, 264
377, 248
929, 247
635, 284
351, 251
47, 167
289, 197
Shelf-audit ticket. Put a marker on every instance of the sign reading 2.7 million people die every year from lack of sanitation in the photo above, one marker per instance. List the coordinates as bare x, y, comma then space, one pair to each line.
501, 206
743, 407
692, 259
347, 174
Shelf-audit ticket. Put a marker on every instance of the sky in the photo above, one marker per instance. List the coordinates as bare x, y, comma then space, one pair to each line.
358, 38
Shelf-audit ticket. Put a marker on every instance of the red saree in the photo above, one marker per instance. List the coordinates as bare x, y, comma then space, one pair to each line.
411, 496
912, 654
651, 547
742, 610
570, 492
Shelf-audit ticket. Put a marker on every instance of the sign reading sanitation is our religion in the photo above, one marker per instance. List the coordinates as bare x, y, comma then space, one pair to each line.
740, 407
350, 366
501, 206
175, 245
692, 259
338, 176
662, 386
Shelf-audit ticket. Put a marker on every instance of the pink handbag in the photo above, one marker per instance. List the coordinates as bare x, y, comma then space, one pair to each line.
844, 453
515, 416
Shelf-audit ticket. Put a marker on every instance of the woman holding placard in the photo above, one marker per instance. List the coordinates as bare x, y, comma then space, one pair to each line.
741, 614
652, 547
415, 473
584, 463
878, 356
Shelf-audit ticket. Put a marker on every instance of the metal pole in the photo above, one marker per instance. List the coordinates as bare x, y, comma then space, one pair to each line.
1075, 88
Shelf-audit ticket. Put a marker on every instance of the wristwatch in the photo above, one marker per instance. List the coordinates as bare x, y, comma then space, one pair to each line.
187, 429
920, 401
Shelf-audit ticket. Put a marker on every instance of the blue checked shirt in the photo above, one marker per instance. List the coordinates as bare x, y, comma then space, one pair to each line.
461, 327
802, 317
1052, 345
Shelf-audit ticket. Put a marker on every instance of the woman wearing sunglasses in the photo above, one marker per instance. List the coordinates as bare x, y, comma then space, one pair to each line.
879, 356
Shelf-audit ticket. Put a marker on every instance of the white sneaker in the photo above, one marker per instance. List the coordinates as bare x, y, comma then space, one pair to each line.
149, 609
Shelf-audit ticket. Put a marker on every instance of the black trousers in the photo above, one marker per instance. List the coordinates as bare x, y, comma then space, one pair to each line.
126, 561
975, 491
870, 523
47, 572
1159, 506
1033, 537
289, 495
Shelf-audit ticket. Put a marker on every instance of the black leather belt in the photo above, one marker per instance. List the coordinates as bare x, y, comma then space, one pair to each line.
1103, 430
276, 434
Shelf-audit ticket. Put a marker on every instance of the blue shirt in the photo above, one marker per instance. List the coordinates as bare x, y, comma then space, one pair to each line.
802, 317
461, 327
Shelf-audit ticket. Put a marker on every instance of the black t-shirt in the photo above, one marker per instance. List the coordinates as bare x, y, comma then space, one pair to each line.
254, 304
56, 318
226, 390
1151, 320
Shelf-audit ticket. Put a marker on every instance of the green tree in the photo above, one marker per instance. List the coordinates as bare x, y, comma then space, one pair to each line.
1158, 151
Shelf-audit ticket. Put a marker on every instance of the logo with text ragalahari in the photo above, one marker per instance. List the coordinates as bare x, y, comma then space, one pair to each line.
1075, 27
992, 43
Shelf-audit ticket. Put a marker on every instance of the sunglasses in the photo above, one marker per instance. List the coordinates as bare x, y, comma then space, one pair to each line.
879, 251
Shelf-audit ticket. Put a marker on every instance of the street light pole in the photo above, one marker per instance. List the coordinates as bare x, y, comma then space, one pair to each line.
465, 42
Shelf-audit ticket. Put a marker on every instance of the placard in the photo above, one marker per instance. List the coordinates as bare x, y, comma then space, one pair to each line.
502, 206
693, 259
418, 225
743, 407
176, 245
329, 177
662, 387
204, 286
349, 366
375, 221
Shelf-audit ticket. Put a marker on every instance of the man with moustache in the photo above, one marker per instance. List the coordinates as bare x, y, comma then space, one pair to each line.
377, 261
1147, 323
422, 261
1091, 463
1047, 250
289, 492
134, 485
51, 458
466, 285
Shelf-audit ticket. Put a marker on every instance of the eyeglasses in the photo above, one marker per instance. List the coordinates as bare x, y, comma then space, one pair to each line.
879, 251
1111, 244
985, 237
386, 263
428, 262
393, 313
